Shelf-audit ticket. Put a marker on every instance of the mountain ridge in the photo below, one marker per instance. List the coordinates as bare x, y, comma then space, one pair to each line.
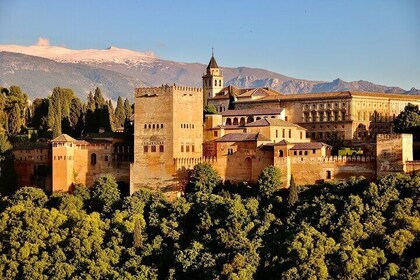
38, 69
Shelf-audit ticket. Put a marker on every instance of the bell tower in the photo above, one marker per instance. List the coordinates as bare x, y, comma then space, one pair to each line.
212, 80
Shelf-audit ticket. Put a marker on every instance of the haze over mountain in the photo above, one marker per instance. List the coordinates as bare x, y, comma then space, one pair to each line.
40, 68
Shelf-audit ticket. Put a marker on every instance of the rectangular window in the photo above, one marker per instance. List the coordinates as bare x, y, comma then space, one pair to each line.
294, 153
277, 133
283, 133
301, 135
192, 148
215, 133
161, 149
290, 133
182, 148
187, 148
153, 149
314, 151
146, 149
328, 174
106, 158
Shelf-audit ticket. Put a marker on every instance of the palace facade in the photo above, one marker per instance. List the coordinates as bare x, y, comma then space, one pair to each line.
252, 129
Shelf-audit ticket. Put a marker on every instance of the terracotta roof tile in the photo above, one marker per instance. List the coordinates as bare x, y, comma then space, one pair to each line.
273, 122
64, 138
251, 112
309, 146
242, 137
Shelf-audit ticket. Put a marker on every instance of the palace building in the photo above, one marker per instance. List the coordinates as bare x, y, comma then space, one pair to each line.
252, 129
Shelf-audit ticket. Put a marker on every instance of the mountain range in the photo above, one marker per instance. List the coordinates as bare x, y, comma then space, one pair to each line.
38, 69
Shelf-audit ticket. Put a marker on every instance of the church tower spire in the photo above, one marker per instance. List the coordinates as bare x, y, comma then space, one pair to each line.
212, 80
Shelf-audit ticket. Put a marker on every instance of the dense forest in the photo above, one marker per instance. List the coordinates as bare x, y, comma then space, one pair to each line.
61, 112
348, 230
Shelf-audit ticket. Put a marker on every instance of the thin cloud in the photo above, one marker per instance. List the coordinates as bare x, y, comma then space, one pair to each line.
43, 42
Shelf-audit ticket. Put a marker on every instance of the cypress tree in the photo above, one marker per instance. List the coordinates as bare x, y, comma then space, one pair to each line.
127, 109
14, 119
90, 102
99, 99
111, 115
120, 113
293, 192
137, 238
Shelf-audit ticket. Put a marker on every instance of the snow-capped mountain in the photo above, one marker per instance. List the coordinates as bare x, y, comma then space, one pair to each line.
40, 68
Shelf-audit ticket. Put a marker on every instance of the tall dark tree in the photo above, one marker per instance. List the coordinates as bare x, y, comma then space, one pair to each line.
90, 106
111, 115
14, 119
40, 113
120, 113
59, 108
127, 109
137, 237
99, 99
293, 192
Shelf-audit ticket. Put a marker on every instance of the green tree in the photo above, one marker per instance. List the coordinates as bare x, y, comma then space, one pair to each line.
15, 119
40, 113
203, 178
408, 121
293, 192
90, 102
120, 116
137, 237
269, 181
127, 109
210, 109
99, 99
105, 194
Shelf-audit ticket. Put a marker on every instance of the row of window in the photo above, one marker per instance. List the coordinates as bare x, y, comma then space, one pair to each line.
187, 125
216, 82
153, 126
153, 149
324, 116
63, 157
187, 148
61, 144
329, 105
283, 133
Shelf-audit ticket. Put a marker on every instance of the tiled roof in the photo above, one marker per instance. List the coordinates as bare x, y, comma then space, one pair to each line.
242, 137
273, 122
283, 142
212, 63
251, 112
64, 138
309, 146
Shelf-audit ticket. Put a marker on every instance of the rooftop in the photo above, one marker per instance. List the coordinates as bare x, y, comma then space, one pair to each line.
309, 146
242, 137
64, 138
252, 112
273, 122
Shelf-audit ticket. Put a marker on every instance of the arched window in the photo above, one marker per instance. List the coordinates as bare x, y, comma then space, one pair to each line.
235, 121
153, 126
150, 126
145, 126
250, 120
242, 121
228, 121
93, 159
220, 83
215, 82
281, 153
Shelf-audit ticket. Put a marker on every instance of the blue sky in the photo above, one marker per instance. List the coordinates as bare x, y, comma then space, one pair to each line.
377, 40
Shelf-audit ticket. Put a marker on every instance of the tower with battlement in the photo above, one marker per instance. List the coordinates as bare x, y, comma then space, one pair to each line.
167, 126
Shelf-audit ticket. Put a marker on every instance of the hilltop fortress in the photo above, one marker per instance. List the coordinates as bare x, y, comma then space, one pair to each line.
252, 129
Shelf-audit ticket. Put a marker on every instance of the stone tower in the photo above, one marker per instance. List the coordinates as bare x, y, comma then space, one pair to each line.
62, 162
212, 80
168, 136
